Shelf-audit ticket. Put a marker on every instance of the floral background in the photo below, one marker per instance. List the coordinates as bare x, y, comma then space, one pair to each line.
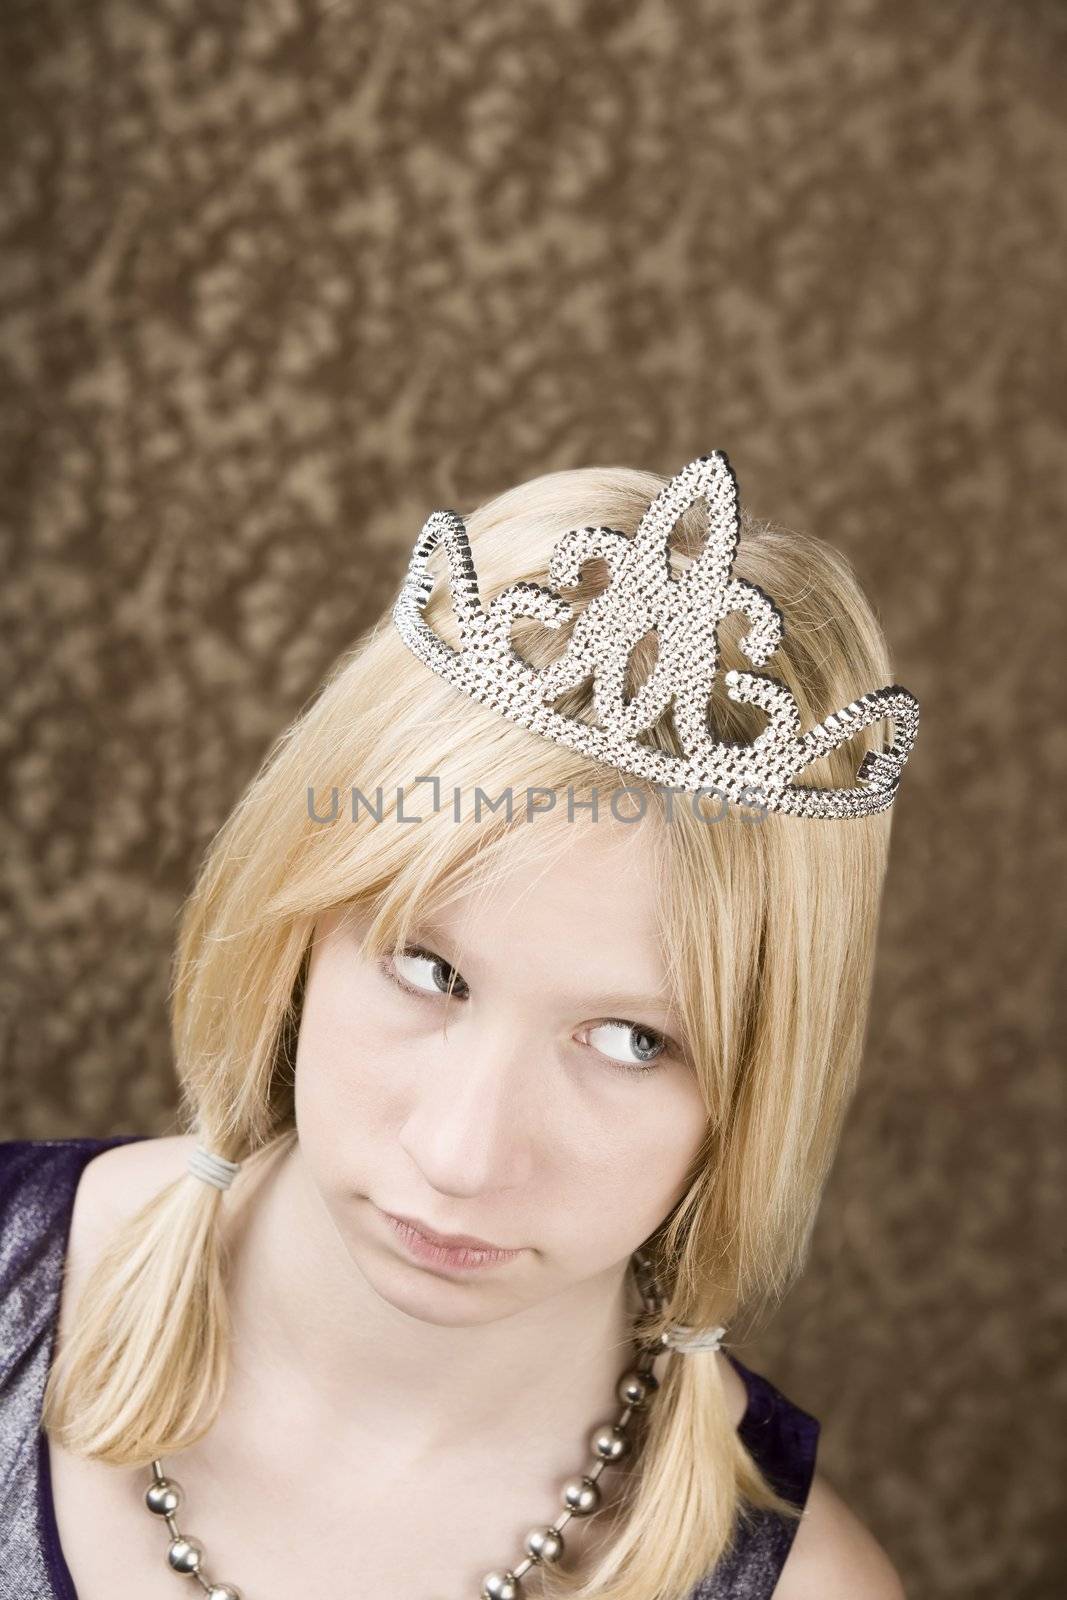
276, 280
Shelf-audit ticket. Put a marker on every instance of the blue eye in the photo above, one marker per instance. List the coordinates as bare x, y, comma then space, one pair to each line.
428, 976
647, 1045
416, 961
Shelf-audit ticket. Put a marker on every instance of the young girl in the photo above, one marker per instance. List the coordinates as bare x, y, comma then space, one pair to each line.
516, 1011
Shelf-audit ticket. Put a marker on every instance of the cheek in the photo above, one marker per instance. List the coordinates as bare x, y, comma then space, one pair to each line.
347, 1054
636, 1163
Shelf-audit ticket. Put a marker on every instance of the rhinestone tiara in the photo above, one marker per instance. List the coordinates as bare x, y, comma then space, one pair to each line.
685, 612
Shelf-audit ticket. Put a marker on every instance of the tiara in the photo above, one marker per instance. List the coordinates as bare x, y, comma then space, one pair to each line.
685, 612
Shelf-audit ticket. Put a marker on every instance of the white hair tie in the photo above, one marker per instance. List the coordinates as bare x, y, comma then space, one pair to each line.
688, 1340
213, 1169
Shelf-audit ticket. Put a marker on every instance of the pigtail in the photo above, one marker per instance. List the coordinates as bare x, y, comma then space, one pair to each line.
690, 1484
143, 1370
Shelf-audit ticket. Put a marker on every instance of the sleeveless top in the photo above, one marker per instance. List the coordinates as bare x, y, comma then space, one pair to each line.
38, 1178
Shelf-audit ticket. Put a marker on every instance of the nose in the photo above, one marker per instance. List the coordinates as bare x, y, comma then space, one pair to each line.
472, 1126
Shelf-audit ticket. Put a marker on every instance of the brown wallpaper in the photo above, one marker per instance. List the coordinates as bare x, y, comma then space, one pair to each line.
278, 279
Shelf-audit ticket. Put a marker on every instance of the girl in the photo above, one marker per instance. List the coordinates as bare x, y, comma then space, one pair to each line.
511, 1073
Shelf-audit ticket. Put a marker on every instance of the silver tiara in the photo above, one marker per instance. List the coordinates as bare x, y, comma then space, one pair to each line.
685, 612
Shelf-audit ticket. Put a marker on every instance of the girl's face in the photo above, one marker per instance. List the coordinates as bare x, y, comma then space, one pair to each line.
546, 1106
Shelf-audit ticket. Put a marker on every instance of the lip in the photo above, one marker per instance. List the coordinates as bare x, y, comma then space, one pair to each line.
450, 1241
462, 1251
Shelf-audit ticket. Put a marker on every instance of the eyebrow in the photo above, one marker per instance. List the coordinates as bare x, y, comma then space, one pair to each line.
617, 1000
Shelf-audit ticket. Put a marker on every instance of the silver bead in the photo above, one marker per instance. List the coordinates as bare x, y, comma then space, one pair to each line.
163, 1496
581, 1495
634, 1387
223, 1591
501, 1586
544, 1544
609, 1442
185, 1555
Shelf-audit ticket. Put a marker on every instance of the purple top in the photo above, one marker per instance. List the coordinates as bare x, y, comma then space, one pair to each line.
38, 1179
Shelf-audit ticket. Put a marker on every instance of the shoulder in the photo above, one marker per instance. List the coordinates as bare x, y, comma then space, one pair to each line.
112, 1188
37, 1179
41, 1181
108, 1178
834, 1556
118, 1182
738, 1397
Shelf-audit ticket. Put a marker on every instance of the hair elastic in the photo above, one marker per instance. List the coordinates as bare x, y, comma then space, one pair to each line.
213, 1169
689, 1340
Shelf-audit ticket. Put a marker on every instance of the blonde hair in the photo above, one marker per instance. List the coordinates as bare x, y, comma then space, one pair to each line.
768, 929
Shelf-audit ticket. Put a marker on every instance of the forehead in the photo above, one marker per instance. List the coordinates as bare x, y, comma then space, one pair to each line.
585, 906
578, 869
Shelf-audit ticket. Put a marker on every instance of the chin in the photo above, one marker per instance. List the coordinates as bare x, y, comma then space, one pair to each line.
433, 1298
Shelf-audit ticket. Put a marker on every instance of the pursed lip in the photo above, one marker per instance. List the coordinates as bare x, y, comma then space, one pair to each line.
448, 1241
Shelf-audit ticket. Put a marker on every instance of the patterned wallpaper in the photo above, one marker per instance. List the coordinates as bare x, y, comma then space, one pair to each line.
276, 280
